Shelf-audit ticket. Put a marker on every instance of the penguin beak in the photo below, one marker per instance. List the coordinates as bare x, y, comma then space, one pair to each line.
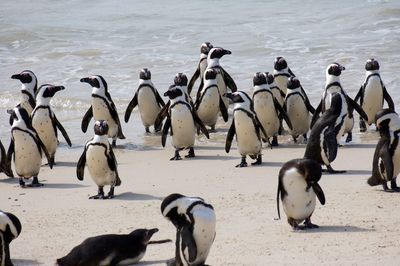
10, 111
228, 95
86, 80
58, 88
151, 232
343, 68
16, 76
227, 52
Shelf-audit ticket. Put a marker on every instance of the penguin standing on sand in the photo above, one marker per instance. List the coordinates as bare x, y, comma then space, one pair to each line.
201, 66
28, 90
5, 163
27, 148
276, 91
282, 73
98, 155
195, 223
386, 162
10, 229
247, 127
102, 108
45, 122
183, 120
298, 188
148, 99
372, 93
267, 108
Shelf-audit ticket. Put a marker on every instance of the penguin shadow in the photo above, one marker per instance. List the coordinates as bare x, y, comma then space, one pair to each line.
153, 262
358, 146
273, 164
136, 196
23, 262
62, 185
207, 147
213, 157
339, 229
63, 164
365, 173
9, 180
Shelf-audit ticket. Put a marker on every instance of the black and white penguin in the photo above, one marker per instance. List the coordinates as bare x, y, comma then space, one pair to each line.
267, 108
148, 100
10, 229
298, 188
99, 157
298, 109
195, 223
183, 121
5, 163
386, 162
201, 66
372, 93
28, 90
276, 91
111, 249
247, 127
333, 85
210, 102
102, 108
45, 122
27, 148
282, 73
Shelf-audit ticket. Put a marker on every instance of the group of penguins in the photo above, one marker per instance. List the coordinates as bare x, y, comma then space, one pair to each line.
276, 97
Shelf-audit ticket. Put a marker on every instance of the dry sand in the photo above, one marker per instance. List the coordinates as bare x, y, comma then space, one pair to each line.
359, 225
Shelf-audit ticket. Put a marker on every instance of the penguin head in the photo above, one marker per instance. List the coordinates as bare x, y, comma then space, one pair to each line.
173, 92
280, 63
210, 74
334, 69
145, 74
310, 169
371, 65
218, 52
270, 78
293, 83
144, 235
169, 208
101, 127
241, 100
46, 92
10, 226
205, 48
96, 81
259, 79
20, 118
28, 79
385, 119
180, 79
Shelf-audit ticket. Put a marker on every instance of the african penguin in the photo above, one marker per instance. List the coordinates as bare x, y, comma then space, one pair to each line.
195, 223
5, 163
386, 162
28, 89
45, 122
102, 108
201, 66
148, 100
298, 188
282, 73
99, 157
278, 94
27, 148
247, 127
111, 249
10, 229
372, 93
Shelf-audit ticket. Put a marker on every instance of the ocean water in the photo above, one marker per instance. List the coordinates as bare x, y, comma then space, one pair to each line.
63, 41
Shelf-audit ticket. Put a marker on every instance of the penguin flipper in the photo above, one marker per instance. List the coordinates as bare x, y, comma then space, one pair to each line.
283, 113
330, 144
115, 117
199, 123
383, 163
310, 108
80, 167
291, 72
10, 150
5, 162
160, 100
193, 79
166, 127
132, 104
356, 107
359, 93
62, 129
277, 199
46, 152
86, 119
230, 83
229, 136
319, 192
188, 243
316, 114
199, 89
112, 163
388, 99
223, 109
161, 115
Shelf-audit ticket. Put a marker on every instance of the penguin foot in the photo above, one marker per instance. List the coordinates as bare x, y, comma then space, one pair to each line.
35, 183
190, 154
212, 129
295, 225
394, 186
294, 139
363, 126
258, 161
21, 183
349, 137
330, 170
147, 130
274, 142
98, 196
171, 262
309, 225
305, 138
110, 194
243, 162
114, 143
177, 157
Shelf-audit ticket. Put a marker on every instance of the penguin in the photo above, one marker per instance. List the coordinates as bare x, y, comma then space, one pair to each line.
332, 85
5, 164
282, 73
195, 223
372, 93
278, 94
298, 109
201, 66
10, 229
111, 249
28, 90
322, 144
45, 122
298, 188
386, 162
148, 99
183, 120
102, 108
267, 108
210, 102
27, 148
101, 162
247, 127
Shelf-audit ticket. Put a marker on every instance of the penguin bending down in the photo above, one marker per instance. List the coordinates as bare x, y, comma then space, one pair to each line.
267, 108
111, 249
101, 162
148, 99
27, 148
5, 163
45, 122
10, 229
28, 90
298, 187
201, 67
195, 224
332, 85
102, 108
282, 73
210, 101
386, 162
372, 93
247, 127
183, 120
298, 109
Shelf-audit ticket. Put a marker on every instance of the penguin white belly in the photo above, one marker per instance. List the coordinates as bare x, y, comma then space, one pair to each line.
131, 261
348, 124
222, 88
27, 155
42, 123
209, 106
148, 106
246, 137
182, 125
277, 95
298, 204
98, 166
281, 82
298, 115
266, 113
101, 112
396, 162
373, 99
25, 103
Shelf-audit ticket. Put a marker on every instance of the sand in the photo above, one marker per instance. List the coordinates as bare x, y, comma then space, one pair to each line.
358, 223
